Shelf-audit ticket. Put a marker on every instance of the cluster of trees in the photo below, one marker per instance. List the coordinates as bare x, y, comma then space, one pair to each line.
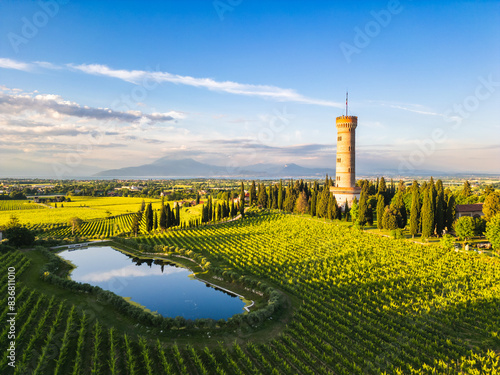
169, 217
299, 197
467, 227
428, 209
17, 234
226, 209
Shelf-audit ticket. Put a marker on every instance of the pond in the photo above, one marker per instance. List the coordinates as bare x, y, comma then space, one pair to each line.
157, 285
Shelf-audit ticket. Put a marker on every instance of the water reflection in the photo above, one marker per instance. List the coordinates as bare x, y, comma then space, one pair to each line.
160, 286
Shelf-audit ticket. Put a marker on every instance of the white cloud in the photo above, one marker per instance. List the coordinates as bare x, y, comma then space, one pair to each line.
55, 106
265, 91
139, 77
17, 65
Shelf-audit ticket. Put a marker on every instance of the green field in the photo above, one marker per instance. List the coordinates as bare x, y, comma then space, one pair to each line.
361, 304
97, 213
16, 205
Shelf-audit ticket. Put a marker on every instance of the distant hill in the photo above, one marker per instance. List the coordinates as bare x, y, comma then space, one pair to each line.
168, 167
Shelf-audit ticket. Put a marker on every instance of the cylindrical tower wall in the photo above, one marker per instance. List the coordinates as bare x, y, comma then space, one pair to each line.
346, 153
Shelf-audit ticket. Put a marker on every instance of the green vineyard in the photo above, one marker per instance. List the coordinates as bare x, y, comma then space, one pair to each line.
13, 205
361, 304
94, 228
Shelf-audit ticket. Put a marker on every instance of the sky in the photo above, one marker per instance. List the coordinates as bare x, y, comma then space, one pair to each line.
87, 86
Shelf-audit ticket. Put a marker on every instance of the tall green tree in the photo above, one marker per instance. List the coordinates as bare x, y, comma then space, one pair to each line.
466, 190
242, 200
135, 227
363, 206
493, 231
262, 196
333, 207
354, 212
491, 206
450, 212
177, 214
149, 218
168, 215
427, 214
415, 210
347, 214
163, 218
440, 213
155, 223
253, 194
322, 205
380, 211
280, 196
313, 204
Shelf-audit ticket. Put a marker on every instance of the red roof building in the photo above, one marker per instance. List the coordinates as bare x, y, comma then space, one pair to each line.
473, 210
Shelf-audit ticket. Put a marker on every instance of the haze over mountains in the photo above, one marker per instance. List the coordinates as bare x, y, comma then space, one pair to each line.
168, 167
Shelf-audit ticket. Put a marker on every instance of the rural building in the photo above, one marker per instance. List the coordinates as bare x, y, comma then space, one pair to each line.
473, 210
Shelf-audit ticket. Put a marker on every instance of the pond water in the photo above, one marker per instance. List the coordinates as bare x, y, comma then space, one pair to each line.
157, 285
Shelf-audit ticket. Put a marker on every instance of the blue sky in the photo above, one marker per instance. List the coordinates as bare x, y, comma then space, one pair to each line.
92, 85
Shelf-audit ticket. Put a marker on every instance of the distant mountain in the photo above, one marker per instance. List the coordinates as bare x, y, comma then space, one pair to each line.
168, 167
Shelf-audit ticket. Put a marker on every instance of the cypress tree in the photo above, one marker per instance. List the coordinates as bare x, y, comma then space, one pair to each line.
149, 218
280, 196
155, 225
168, 213
440, 208
363, 206
450, 212
313, 204
415, 209
333, 207
242, 194
233, 214
163, 218
253, 194
466, 190
427, 214
346, 211
380, 210
382, 189
322, 205
197, 197
136, 224
275, 196
354, 212
177, 214
262, 198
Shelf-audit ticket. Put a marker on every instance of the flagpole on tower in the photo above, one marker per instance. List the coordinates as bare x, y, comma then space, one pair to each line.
346, 107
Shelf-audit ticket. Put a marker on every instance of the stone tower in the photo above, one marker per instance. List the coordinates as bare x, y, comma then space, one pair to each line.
346, 155
345, 189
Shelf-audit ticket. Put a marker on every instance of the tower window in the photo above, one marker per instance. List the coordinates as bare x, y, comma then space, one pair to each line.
349, 148
339, 160
339, 138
